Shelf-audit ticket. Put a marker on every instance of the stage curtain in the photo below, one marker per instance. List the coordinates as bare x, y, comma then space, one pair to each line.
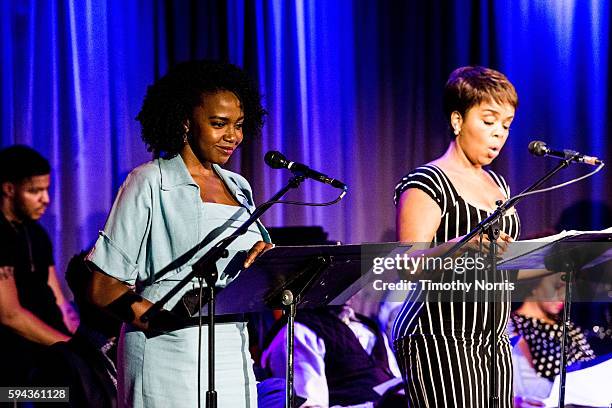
352, 88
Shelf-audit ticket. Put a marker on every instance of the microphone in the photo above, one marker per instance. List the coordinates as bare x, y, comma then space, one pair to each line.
277, 160
539, 148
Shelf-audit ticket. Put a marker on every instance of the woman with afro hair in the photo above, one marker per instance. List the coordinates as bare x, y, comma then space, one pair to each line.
167, 214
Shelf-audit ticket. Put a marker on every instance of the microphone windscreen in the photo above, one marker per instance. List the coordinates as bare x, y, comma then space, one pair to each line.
276, 159
537, 148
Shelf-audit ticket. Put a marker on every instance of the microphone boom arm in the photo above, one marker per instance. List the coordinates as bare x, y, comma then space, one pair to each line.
508, 204
207, 262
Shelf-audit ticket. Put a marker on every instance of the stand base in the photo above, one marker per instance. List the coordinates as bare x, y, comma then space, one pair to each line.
211, 399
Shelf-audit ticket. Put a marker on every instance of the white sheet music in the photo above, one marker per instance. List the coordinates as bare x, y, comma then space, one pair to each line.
589, 387
529, 255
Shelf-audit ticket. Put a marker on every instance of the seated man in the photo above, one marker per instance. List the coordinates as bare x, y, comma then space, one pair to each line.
33, 310
339, 357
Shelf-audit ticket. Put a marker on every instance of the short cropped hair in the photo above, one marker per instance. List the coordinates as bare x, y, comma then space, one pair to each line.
170, 101
19, 162
470, 86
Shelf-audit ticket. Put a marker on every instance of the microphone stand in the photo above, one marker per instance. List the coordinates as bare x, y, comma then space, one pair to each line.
206, 268
491, 227
572, 270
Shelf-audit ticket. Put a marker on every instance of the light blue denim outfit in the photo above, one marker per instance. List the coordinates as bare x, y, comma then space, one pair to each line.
157, 218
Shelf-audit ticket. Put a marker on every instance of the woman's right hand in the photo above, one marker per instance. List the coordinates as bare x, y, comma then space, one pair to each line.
117, 298
474, 244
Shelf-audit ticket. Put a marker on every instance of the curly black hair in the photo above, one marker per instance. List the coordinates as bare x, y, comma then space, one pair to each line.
170, 101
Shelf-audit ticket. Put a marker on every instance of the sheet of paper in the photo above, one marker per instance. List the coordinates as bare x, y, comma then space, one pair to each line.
529, 254
590, 387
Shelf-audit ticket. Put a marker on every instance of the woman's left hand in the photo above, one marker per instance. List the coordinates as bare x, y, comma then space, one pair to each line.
503, 241
259, 248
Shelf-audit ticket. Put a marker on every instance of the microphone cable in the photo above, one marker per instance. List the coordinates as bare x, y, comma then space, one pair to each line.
556, 186
304, 203
287, 202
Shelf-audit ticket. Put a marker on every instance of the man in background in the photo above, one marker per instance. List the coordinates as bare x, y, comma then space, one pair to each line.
340, 357
33, 310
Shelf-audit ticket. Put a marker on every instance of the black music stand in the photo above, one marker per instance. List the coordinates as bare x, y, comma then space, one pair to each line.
569, 254
298, 277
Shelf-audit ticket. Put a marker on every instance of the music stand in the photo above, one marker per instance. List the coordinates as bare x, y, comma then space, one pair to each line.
567, 254
298, 277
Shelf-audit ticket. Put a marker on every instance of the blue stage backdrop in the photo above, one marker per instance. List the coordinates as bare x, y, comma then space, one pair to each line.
352, 87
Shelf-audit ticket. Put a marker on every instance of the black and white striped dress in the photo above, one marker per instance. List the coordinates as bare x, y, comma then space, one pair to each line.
443, 348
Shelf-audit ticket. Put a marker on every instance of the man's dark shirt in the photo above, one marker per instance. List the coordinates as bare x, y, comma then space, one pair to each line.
27, 248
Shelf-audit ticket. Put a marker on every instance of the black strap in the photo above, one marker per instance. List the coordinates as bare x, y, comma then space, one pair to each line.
227, 318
